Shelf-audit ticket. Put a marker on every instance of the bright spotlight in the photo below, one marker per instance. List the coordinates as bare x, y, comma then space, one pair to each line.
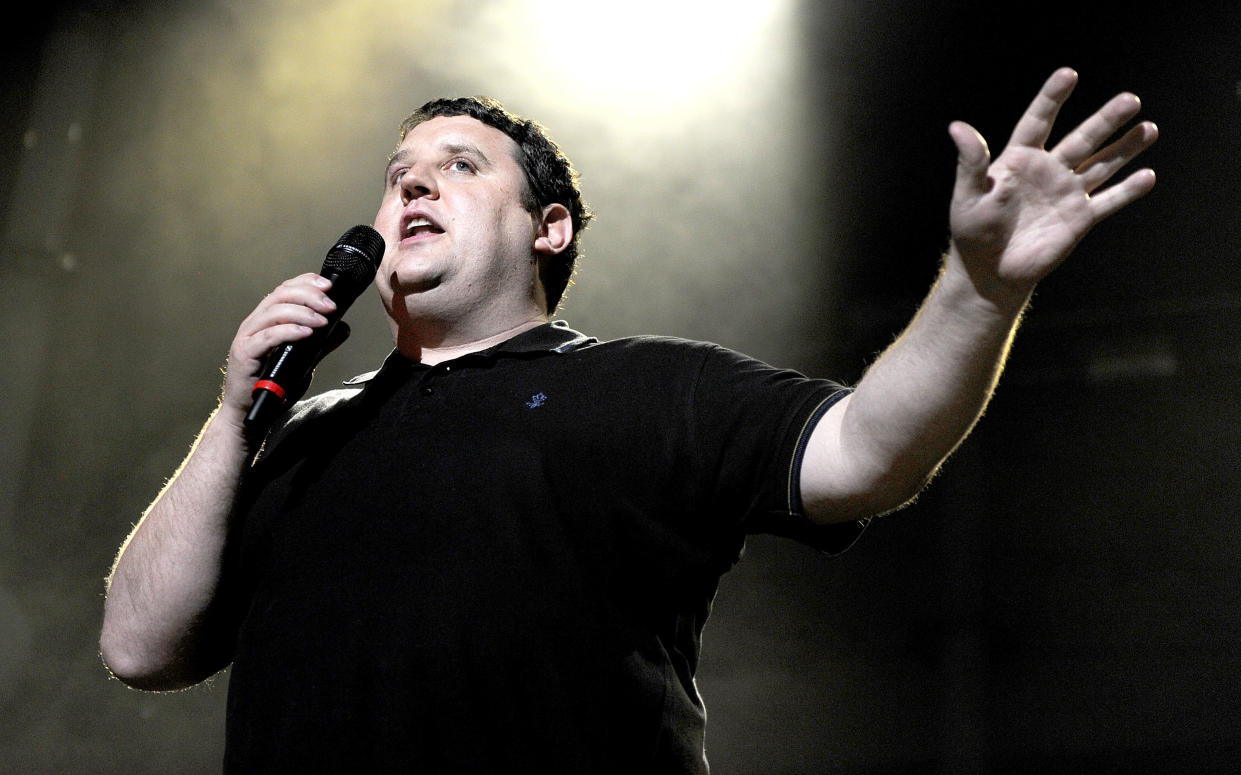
657, 52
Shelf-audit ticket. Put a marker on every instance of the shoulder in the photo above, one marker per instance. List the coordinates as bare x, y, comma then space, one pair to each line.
704, 365
638, 347
654, 349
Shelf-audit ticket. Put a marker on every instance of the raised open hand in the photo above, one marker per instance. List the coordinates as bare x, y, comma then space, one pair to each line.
1016, 218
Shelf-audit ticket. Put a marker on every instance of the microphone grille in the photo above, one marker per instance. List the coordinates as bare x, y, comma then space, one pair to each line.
356, 255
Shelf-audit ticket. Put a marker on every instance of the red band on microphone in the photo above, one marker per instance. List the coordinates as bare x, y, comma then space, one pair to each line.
267, 384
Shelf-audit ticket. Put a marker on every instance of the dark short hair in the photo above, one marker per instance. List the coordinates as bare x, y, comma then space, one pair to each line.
550, 176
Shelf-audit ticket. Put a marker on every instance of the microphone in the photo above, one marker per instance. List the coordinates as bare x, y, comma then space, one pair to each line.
351, 265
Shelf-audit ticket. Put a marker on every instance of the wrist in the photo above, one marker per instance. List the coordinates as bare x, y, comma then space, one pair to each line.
228, 421
970, 287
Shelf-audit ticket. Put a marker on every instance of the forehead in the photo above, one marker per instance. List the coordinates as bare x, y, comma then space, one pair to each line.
460, 132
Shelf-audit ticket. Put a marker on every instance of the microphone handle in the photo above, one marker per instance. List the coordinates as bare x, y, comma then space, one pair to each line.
289, 364
263, 412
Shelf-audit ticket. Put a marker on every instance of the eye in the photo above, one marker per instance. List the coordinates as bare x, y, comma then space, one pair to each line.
461, 165
395, 176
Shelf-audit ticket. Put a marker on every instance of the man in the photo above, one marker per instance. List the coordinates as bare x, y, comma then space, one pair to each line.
497, 552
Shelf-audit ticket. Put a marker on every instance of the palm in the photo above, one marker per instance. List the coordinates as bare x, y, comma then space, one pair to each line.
1014, 219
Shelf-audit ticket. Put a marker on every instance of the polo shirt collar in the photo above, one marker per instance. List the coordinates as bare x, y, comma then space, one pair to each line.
554, 337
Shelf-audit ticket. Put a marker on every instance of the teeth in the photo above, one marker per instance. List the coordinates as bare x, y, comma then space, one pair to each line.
416, 223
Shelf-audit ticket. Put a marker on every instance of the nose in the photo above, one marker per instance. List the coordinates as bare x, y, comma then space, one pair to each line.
417, 183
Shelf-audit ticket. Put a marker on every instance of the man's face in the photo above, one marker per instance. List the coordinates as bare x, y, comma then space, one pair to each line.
459, 241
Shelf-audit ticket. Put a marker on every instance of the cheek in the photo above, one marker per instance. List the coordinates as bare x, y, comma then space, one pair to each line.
385, 261
381, 278
384, 217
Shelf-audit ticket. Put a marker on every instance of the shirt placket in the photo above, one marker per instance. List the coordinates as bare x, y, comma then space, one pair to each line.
430, 386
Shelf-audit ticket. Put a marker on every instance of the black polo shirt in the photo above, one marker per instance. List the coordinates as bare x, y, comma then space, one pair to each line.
504, 562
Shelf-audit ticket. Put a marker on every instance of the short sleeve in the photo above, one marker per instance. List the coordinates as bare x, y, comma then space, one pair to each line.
752, 424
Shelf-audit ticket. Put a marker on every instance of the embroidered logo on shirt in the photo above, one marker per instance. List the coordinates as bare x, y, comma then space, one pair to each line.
536, 400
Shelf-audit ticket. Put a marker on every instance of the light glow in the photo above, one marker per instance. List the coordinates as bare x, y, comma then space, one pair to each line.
657, 51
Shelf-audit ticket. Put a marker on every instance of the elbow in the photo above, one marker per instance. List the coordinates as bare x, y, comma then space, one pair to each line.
127, 664
122, 664
138, 668
137, 674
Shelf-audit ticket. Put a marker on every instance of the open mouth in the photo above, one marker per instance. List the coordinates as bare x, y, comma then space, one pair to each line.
420, 226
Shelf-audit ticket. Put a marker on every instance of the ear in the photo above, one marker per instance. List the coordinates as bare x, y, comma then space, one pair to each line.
555, 230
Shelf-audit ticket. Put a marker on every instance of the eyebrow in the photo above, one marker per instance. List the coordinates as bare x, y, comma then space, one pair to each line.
468, 149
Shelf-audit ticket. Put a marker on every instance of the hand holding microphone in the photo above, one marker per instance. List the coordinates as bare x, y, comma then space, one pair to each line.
350, 266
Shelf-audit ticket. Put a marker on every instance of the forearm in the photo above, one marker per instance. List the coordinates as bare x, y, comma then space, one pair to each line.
915, 403
167, 576
922, 396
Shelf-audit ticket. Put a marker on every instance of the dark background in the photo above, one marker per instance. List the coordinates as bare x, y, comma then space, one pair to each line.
1063, 598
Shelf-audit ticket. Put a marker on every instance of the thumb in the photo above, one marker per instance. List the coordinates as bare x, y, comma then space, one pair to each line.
973, 158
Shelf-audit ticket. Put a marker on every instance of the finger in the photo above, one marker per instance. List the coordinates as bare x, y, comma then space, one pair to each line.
1099, 168
307, 291
973, 158
307, 288
248, 352
1129, 190
270, 314
258, 344
1034, 126
1092, 133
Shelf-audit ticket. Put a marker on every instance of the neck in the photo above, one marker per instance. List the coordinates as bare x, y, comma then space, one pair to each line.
439, 347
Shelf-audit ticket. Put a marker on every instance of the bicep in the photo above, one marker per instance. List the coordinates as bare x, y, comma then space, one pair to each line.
839, 482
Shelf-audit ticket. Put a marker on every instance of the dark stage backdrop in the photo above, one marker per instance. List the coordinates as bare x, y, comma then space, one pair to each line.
1065, 597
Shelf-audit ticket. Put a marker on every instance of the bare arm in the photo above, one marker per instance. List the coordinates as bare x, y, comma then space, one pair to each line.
1013, 221
165, 624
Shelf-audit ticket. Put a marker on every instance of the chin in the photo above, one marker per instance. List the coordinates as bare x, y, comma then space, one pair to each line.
411, 290
411, 274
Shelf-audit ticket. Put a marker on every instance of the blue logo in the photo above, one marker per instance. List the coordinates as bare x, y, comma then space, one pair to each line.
536, 400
